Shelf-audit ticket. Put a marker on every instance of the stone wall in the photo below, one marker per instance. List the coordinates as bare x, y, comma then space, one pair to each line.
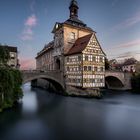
80, 92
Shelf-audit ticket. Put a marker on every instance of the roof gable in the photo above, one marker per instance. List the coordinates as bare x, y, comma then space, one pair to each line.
94, 42
79, 45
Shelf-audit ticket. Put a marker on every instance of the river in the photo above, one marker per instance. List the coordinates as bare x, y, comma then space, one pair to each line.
45, 116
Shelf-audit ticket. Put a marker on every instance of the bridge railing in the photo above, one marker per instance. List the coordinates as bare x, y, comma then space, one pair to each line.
40, 71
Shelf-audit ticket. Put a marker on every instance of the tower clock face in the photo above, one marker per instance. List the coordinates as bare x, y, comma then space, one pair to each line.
56, 26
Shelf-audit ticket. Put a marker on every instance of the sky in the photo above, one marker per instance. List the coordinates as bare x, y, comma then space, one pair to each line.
27, 24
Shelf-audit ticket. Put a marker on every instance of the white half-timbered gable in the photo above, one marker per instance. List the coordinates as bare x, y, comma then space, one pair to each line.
85, 60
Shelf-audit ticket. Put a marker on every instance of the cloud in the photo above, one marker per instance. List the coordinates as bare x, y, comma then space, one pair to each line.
133, 45
135, 54
129, 44
27, 64
30, 23
129, 22
122, 56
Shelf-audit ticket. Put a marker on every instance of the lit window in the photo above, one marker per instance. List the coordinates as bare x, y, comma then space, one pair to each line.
12, 55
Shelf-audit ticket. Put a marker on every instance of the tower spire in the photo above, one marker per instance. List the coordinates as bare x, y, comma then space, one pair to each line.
73, 9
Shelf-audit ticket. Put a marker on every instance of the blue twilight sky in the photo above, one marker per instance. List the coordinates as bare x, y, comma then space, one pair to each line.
27, 24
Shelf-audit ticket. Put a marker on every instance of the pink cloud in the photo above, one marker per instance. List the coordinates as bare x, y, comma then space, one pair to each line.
129, 44
133, 45
31, 21
27, 64
131, 21
27, 33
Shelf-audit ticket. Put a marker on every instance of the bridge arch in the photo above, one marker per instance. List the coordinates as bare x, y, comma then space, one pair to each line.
56, 83
113, 82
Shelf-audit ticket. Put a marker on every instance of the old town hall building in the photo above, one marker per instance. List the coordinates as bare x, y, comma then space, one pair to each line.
75, 51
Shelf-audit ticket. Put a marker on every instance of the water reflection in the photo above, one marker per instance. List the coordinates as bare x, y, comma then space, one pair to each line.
29, 101
46, 116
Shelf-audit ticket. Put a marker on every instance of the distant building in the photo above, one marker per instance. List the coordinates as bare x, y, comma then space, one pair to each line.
13, 61
75, 51
113, 63
129, 65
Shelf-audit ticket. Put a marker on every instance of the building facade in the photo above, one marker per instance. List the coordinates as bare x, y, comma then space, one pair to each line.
129, 65
76, 52
44, 58
13, 60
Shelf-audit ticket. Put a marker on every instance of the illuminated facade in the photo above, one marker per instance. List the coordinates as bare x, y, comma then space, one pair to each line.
76, 52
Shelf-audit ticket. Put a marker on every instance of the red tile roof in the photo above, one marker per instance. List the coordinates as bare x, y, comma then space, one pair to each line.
80, 45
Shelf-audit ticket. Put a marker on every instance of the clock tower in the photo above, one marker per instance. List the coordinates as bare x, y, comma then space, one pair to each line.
73, 9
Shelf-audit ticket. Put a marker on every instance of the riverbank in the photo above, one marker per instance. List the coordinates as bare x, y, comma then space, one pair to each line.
10, 87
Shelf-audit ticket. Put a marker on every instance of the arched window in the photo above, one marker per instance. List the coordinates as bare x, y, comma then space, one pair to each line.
57, 64
72, 35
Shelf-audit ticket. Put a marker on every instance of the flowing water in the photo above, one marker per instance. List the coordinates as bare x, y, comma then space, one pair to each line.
45, 116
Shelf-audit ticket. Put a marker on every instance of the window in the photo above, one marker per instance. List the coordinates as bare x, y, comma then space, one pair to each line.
101, 59
72, 35
90, 80
95, 68
102, 69
79, 58
79, 68
67, 59
89, 68
94, 58
85, 80
68, 69
12, 56
86, 58
85, 68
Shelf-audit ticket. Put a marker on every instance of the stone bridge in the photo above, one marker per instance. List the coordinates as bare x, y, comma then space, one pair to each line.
51, 76
113, 79
118, 80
